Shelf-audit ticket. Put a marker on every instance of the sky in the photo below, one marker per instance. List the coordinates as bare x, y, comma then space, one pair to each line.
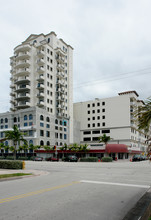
111, 41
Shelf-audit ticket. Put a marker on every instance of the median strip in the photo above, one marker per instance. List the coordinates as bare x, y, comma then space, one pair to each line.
36, 192
13, 175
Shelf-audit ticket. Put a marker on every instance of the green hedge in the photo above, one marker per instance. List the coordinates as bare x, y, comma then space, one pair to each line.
7, 164
106, 159
23, 158
10, 157
2, 157
88, 159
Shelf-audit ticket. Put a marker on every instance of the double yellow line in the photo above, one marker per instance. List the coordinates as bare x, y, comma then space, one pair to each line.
36, 192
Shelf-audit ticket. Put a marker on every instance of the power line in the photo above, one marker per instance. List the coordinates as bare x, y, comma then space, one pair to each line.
113, 78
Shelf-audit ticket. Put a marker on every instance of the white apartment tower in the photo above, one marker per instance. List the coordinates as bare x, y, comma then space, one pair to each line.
42, 76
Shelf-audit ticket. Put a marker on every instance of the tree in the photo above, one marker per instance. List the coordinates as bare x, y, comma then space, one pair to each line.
25, 148
2, 146
143, 115
105, 139
12, 149
16, 136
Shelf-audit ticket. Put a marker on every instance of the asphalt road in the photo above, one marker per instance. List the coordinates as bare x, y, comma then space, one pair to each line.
75, 191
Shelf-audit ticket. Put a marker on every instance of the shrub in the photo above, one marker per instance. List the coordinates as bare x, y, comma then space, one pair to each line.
23, 158
7, 164
10, 158
2, 157
88, 159
106, 159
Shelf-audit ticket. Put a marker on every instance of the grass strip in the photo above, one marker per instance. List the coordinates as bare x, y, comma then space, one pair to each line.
14, 175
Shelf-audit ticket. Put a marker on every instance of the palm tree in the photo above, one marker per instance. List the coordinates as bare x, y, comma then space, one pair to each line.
16, 136
105, 139
143, 113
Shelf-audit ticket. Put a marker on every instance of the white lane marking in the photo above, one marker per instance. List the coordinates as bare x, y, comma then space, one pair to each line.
116, 184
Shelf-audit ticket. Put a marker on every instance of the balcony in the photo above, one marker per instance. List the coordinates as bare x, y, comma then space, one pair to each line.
40, 86
41, 61
12, 94
21, 80
60, 59
23, 105
40, 103
60, 67
40, 78
22, 63
40, 70
40, 95
22, 72
12, 86
40, 53
22, 88
22, 48
60, 90
12, 101
23, 55
61, 75
23, 96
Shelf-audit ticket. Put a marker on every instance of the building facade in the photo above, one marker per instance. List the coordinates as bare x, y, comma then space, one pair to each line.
42, 80
113, 117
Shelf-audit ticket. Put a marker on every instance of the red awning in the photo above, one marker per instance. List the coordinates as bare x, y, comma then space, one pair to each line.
116, 148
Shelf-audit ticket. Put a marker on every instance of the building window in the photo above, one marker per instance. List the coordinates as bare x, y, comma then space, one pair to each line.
2, 126
105, 131
96, 132
98, 104
88, 119
6, 120
88, 105
103, 110
30, 117
48, 119
47, 126
41, 117
103, 124
2, 120
6, 126
103, 103
88, 112
41, 133
98, 117
30, 133
30, 123
47, 133
103, 116
41, 124
48, 143
98, 111
88, 125
87, 139
93, 118
95, 138
15, 119
41, 143
87, 132
93, 111
93, 104
98, 124
65, 136
25, 117
93, 125
25, 124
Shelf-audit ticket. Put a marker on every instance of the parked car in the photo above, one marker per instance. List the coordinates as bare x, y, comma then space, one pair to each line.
71, 158
38, 158
52, 159
137, 157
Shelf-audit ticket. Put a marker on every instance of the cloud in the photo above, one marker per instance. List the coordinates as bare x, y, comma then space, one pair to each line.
108, 37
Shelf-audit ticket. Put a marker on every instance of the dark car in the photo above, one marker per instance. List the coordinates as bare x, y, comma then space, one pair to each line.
38, 158
137, 157
52, 159
71, 158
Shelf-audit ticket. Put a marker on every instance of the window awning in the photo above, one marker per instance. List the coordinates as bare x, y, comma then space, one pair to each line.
116, 148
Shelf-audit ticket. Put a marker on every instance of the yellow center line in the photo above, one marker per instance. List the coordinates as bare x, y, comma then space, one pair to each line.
36, 192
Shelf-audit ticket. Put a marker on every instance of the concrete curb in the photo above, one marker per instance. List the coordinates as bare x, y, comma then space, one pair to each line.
142, 209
